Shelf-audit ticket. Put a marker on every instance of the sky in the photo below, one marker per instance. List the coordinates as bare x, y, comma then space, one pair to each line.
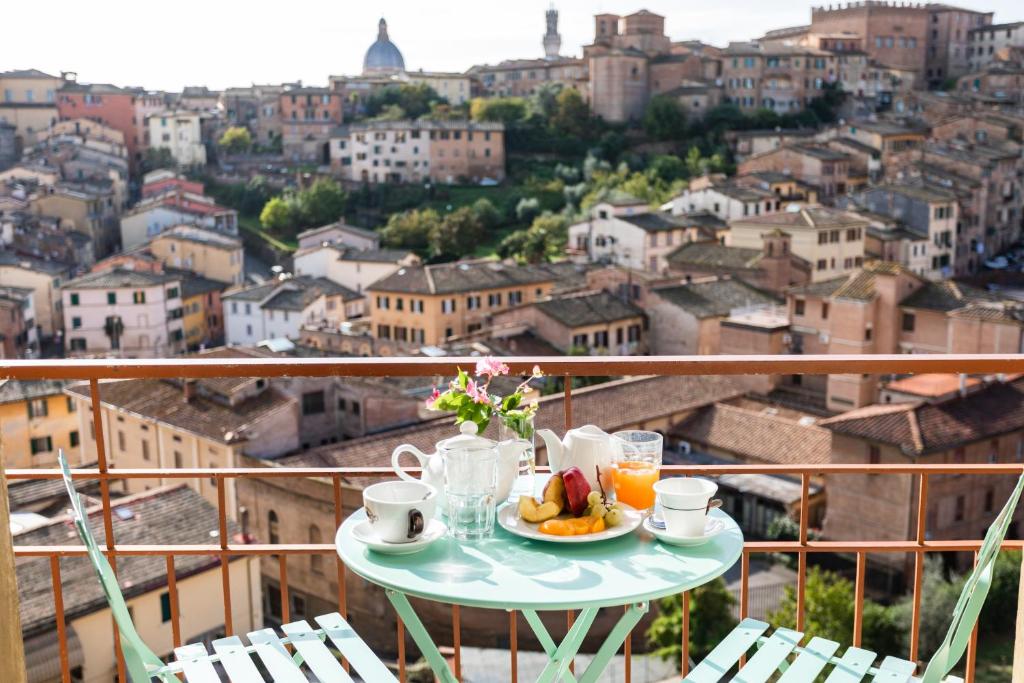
218, 43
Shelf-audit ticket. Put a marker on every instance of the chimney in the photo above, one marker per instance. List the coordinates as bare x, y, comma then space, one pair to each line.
189, 390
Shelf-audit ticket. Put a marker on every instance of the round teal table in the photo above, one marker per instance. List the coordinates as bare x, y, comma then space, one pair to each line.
507, 572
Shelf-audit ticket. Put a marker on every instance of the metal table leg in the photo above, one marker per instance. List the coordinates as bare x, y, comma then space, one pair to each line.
420, 636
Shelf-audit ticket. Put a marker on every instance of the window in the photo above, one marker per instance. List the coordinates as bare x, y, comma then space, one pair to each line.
38, 408
867, 334
579, 341
798, 307
448, 306
165, 607
472, 303
145, 450
822, 264
139, 297
961, 505
41, 444
313, 403
172, 293
111, 297
76, 323
494, 299
399, 304
959, 455
74, 299
908, 322
342, 404
355, 407
316, 562
990, 500
601, 339
272, 526
73, 439
121, 444
824, 310
874, 454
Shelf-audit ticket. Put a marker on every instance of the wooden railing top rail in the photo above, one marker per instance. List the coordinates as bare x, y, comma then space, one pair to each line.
198, 367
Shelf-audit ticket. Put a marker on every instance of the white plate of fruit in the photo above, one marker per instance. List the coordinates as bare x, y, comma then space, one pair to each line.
569, 512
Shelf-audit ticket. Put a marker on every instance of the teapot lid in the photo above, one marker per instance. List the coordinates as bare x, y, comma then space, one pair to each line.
467, 438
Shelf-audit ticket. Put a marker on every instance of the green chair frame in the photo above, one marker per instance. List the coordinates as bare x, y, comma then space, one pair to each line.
775, 654
236, 658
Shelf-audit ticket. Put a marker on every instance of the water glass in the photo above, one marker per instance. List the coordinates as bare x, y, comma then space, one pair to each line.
471, 482
520, 432
637, 468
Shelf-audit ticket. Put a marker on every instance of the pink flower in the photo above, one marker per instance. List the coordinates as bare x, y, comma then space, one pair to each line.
433, 397
491, 367
477, 393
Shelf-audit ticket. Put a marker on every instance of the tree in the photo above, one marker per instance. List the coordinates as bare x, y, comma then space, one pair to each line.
664, 119
829, 605
486, 213
544, 239
323, 202
710, 621
410, 229
277, 215
507, 110
528, 208
544, 102
156, 158
413, 99
456, 235
572, 115
236, 140
667, 167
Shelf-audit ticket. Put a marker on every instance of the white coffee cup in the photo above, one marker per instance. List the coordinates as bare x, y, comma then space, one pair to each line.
684, 503
399, 511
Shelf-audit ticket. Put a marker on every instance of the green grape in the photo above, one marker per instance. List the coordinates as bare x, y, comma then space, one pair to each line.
599, 511
594, 498
614, 517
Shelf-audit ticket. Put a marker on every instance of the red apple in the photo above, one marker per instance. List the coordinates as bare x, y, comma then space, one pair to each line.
576, 490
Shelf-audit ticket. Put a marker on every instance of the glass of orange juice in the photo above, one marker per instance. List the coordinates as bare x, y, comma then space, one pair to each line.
637, 468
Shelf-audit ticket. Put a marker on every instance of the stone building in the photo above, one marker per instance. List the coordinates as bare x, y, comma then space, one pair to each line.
36, 421
950, 30
308, 117
783, 78
986, 42
826, 170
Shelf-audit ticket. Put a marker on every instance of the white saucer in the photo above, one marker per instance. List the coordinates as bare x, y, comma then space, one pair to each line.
712, 528
364, 533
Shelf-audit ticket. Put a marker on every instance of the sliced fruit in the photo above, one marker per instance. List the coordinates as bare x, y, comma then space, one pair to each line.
556, 527
577, 488
533, 511
597, 525
554, 492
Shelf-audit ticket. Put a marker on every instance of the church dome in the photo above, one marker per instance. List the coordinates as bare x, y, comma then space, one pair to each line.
383, 57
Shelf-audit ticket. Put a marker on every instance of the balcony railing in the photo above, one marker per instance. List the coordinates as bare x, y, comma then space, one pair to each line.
93, 371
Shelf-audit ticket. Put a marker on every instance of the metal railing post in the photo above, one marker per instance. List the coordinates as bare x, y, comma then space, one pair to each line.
12, 651
1018, 642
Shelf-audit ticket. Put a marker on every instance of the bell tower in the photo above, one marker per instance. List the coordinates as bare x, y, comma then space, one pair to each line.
552, 41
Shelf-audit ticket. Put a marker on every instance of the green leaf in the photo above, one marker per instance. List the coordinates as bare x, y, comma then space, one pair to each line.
463, 379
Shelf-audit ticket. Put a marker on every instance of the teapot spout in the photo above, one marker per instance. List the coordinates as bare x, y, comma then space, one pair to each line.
553, 446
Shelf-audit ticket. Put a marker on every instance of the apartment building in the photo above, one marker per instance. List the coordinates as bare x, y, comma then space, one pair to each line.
892, 34
308, 117
885, 308
170, 424
86, 616
121, 109
36, 421
726, 200
773, 267
999, 83
354, 269
636, 237
457, 88
922, 233
426, 305
179, 132
211, 254
203, 319
949, 41
985, 425
28, 101
44, 278
91, 210
170, 208
783, 78
278, 309
987, 42
130, 313
830, 240
685, 318
419, 151
19, 337
522, 77
592, 322
825, 169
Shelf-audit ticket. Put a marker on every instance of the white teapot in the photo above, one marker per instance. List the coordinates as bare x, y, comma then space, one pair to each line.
509, 453
589, 448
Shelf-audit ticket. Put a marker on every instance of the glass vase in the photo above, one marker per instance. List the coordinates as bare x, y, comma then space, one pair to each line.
520, 431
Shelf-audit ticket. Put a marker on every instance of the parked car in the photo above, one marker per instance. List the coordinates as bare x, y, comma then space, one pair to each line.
997, 263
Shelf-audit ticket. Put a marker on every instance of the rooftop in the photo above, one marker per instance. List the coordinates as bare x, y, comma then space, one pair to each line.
170, 515
931, 384
919, 428
811, 217
452, 278
588, 308
654, 221
715, 255
17, 390
192, 233
714, 298
120, 277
